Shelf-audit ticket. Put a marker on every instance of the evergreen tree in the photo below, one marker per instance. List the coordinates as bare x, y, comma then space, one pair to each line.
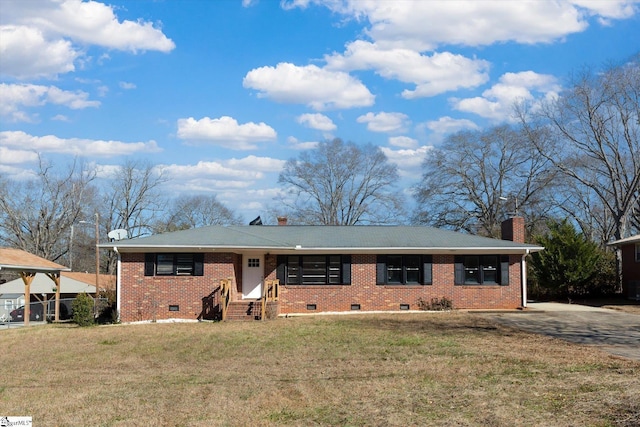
568, 262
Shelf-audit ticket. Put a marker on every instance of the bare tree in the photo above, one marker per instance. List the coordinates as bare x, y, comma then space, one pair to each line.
37, 215
341, 183
635, 217
186, 212
134, 201
591, 134
475, 179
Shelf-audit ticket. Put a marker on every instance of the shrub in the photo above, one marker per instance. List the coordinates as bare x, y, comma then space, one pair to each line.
569, 261
436, 304
83, 310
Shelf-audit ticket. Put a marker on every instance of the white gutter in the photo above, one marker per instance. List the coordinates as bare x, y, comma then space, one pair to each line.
524, 279
118, 275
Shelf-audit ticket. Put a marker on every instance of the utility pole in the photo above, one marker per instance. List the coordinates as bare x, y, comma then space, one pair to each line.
97, 263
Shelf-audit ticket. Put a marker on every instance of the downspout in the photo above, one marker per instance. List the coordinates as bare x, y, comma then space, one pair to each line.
118, 270
524, 278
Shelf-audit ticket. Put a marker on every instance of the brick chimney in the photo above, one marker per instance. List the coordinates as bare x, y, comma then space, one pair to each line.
282, 220
513, 229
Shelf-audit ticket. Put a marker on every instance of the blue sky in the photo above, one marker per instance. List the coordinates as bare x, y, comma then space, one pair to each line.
219, 94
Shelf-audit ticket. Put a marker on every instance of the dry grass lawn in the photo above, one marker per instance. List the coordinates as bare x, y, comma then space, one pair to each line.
442, 369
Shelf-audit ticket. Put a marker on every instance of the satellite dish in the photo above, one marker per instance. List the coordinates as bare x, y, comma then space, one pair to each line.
118, 234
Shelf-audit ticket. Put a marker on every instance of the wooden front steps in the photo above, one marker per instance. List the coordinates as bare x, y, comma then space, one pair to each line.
248, 309
251, 309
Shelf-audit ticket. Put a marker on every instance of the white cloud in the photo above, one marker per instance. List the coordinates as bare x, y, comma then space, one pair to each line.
127, 85
497, 102
403, 142
88, 22
608, 9
408, 161
310, 85
232, 176
264, 164
211, 170
447, 125
74, 146
431, 74
17, 173
295, 144
317, 121
384, 122
10, 156
43, 39
26, 54
60, 118
225, 132
425, 25
17, 96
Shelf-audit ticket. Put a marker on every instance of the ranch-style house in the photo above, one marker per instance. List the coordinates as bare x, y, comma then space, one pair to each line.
204, 273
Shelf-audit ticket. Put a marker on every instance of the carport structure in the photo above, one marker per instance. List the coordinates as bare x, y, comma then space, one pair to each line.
28, 265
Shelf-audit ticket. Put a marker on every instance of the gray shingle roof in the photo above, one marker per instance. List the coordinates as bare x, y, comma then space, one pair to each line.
321, 239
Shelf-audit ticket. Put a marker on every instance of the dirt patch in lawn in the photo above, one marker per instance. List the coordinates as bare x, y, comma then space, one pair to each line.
437, 369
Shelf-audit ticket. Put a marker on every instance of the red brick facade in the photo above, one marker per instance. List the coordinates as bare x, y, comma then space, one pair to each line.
513, 229
149, 297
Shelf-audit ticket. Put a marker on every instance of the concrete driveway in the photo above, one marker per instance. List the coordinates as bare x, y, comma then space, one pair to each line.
612, 331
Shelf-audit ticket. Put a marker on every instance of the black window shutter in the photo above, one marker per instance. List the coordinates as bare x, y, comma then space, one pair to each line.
198, 264
381, 270
459, 270
149, 264
346, 269
281, 273
427, 270
504, 270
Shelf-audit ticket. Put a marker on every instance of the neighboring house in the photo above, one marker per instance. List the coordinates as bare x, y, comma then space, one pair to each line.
320, 269
43, 291
630, 249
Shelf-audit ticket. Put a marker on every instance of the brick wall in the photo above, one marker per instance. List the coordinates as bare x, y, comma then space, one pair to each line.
513, 229
149, 297
364, 291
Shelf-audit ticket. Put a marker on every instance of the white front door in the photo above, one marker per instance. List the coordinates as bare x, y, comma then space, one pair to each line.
252, 275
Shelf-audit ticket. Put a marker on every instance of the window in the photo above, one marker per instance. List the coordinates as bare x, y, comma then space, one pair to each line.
253, 262
314, 269
404, 270
481, 270
181, 264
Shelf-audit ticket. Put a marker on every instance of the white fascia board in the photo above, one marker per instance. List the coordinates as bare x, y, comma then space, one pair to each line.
187, 248
628, 240
411, 250
31, 269
334, 250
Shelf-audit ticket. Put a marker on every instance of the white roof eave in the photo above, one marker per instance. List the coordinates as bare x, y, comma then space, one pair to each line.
346, 250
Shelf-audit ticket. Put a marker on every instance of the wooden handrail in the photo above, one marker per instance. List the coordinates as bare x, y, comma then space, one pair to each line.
269, 293
225, 296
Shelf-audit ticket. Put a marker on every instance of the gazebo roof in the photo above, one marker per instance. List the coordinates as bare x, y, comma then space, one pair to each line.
18, 260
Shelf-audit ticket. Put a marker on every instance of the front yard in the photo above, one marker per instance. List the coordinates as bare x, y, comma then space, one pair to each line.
437, 369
